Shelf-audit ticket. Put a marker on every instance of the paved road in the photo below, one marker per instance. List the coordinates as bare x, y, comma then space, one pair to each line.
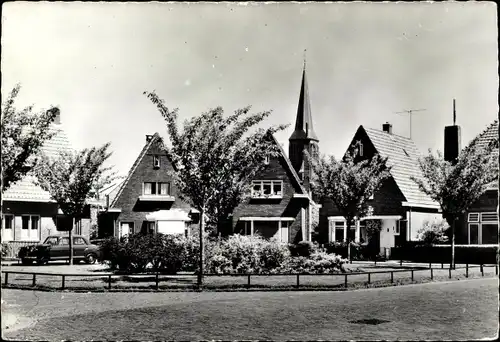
458, 310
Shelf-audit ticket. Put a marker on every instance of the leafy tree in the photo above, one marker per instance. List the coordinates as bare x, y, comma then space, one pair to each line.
23, 135
349, 183
458, 185
70, 177
215, 158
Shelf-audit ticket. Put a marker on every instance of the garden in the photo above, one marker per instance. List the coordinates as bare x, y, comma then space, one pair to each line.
236, 254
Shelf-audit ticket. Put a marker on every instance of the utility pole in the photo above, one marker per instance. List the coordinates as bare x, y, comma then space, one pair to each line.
410, 113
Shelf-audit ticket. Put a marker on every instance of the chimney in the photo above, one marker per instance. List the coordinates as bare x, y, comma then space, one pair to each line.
57, 119
452, 139
148, 137
387, 127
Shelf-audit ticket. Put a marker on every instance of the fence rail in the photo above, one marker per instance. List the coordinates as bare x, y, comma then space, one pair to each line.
159, 277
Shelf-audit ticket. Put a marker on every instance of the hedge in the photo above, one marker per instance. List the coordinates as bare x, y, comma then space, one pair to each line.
474, 254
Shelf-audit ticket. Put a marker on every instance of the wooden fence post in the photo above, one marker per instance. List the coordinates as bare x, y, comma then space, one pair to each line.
298, 283
432, 275
157, 280
449, 272
392, 277
345, 280
248, 282
482, 270
368, 278
34, 279
411, 275
466, 270
442, 265
63, 281
496, 269
109, 282
6, 277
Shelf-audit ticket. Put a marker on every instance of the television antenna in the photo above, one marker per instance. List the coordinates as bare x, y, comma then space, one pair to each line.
410, 113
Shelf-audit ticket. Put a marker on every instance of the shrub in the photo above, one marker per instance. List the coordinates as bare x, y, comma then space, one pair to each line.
303, 248
6, 250
317, 263
274, 255
433, 233
442, 253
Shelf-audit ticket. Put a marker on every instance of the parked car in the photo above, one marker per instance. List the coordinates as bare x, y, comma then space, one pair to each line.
57, 248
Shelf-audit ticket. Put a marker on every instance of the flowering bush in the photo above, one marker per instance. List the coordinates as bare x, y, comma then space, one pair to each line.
303, 248
433, 233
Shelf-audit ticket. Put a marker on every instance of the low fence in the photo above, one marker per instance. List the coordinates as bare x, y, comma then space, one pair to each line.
250, 280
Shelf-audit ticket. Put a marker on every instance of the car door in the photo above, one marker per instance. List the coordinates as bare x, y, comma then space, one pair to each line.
79, 246
62, 251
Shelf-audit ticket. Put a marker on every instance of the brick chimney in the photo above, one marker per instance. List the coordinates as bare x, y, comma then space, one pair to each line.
387, 127
452, 139
57, 119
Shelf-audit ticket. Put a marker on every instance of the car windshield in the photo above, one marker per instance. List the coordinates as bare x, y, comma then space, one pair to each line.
51, 241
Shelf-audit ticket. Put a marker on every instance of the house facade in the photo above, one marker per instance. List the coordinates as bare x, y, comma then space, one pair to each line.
280, 204
147, 200
479, 225
29, 214
399, 205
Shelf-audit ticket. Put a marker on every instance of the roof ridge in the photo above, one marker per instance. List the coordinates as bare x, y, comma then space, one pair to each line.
134, 166
382, 131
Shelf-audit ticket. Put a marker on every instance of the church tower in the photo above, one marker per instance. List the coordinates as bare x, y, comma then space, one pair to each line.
303, 137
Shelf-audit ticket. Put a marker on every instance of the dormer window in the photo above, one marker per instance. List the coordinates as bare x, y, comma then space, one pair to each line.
267, 189
156, 161
360, 151
156, 188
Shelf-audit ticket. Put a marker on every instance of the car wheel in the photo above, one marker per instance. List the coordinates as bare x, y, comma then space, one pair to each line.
26, 261
90, 258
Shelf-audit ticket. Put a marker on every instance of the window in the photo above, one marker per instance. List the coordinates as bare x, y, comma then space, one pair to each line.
78, 241
482, 228
8, 221
339, 231
360, 149
51, 241
156, 188
78, 227
26, 222
64, 241
266, 159
267, 188
156, 161
35, 220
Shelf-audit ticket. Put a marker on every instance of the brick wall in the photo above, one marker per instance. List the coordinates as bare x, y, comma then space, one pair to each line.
132, 209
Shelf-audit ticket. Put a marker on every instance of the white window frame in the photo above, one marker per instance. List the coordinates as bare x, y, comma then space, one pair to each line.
282, 227
257, 195
473, 215
267, 159
489, 220
78, 226
157, 187
156, 161
133, 227
4, 222
479, 222
479, 235
29, 221
360, 148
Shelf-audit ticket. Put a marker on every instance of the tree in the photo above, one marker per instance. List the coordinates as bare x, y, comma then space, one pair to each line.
69, 178
349, 183
23, 135
214, 161
456, 186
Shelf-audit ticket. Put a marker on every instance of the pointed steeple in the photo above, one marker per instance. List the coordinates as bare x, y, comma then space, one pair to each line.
303, 122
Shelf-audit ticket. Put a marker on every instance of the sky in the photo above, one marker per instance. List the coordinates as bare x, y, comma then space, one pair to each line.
365, 62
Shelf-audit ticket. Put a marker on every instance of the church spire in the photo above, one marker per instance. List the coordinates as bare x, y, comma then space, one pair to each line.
303, 122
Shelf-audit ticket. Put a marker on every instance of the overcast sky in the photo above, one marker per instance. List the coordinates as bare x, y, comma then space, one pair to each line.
365, 61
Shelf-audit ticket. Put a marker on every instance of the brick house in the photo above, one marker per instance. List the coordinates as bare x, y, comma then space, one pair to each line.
280, 204
29, 214
400, 206
480, 224
147, 200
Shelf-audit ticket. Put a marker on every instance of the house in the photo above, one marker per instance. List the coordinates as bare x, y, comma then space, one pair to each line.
280, 204
479, 225
147, 200
399, 205
29, 214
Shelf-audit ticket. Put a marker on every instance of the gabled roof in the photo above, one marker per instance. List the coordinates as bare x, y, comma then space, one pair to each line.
154, 138
485, 138
402, 154
25, 189
295, 176
303, 122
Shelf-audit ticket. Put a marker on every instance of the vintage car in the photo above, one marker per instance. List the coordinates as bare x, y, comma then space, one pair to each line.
57, 248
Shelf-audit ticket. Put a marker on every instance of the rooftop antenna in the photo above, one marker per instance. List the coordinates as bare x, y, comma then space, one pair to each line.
454, 113
410, 113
